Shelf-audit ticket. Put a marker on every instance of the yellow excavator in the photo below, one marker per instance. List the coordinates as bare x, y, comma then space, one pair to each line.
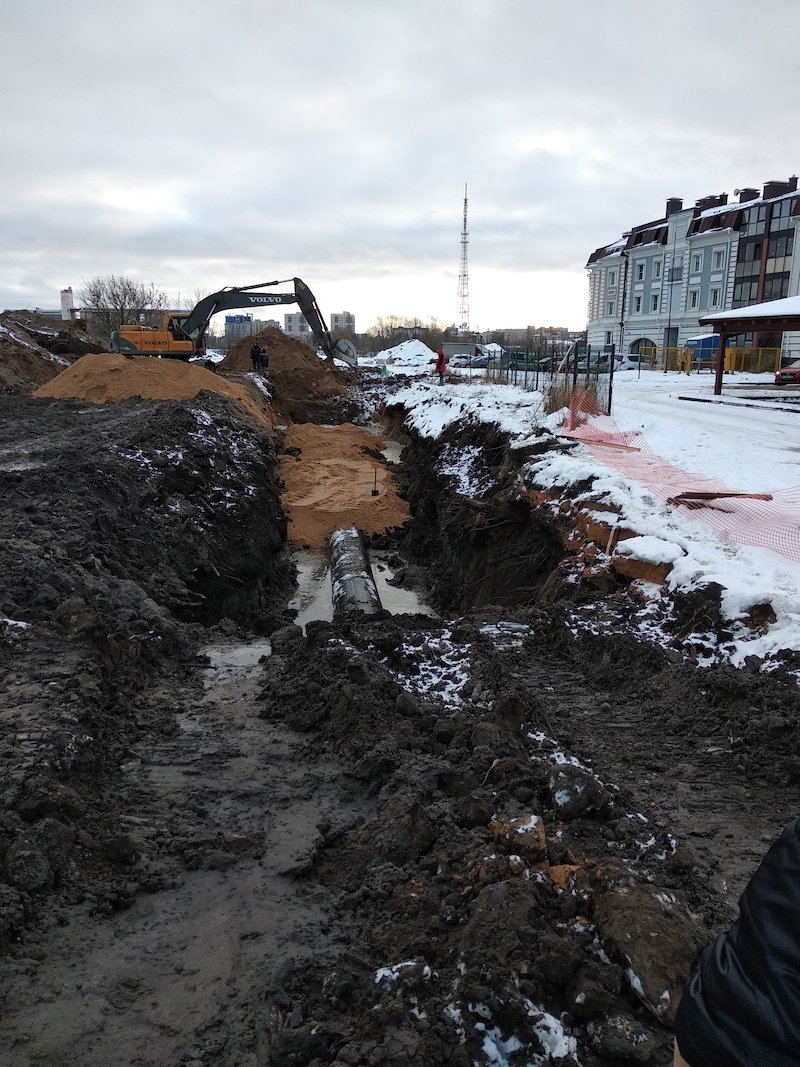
182, 335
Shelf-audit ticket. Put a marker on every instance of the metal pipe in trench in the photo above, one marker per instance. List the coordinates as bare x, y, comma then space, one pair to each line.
352, 584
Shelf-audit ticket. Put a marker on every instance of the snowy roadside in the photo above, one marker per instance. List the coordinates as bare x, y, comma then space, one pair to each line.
747, 443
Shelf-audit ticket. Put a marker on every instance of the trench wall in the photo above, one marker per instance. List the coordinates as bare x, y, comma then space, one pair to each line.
479, 549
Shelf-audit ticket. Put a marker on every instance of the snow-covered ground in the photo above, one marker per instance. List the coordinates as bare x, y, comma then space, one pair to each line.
750, 440
411, 357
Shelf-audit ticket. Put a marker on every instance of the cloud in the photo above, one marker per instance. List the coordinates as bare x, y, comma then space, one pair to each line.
198, 145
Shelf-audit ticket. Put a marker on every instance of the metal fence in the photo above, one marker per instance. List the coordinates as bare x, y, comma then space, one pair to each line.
553, 371
686, 360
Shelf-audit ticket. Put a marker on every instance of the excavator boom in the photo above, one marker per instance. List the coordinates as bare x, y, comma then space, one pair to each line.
183, 335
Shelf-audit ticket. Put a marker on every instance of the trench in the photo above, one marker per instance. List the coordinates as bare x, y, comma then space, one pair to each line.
457, 553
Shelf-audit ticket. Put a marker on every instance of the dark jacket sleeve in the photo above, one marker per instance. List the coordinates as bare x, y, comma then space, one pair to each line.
742, 1007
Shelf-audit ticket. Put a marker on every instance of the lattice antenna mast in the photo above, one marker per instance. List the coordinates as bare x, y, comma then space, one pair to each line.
463, 276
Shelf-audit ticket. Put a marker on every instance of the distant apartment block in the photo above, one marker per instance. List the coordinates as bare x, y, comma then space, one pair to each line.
295, 325
650, 287
528, 336
237, 327
343, 320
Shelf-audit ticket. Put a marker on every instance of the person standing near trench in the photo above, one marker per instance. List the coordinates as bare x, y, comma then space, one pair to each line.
441, 364
742, 1006
255, 356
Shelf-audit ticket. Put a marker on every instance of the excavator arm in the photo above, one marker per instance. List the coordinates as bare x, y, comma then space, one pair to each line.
194, 326
189, 330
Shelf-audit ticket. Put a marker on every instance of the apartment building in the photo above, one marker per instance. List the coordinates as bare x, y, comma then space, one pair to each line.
650, 287
295, 325
343, 320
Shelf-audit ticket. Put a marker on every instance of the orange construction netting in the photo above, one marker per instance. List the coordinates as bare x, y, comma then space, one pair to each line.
766, 520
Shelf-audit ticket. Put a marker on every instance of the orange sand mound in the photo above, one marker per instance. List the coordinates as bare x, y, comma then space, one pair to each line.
329, 485
109, 377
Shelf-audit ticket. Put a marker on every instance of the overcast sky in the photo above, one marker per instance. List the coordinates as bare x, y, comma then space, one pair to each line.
203, 143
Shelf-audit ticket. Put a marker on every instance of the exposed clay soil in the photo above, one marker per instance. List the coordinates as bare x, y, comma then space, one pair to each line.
335, 477
393, 840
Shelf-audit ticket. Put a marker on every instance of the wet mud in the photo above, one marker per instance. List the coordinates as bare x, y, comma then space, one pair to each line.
225, 839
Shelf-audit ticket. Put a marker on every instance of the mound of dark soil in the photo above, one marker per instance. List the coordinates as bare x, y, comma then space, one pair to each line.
68, 338
24, 364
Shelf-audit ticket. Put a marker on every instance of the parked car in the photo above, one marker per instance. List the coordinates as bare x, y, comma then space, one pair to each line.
790, 374
477, 362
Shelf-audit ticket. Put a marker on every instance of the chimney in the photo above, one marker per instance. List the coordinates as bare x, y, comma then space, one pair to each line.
673, 205
747, 194
712, 201
773, 189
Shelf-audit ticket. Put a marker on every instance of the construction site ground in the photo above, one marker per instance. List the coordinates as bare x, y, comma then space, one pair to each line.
475, 837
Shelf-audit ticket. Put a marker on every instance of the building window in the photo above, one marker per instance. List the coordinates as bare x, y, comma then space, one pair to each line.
637, 303
675, 274
657, 268
610, 307
639, 272
713, 297
654, 302
697, 262
694, 298
719, 260
608, 337
612, 277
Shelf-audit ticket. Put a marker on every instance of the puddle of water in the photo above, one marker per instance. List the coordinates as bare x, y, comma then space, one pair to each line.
395, 599
233, 661
313, 599
391, 450
314, 596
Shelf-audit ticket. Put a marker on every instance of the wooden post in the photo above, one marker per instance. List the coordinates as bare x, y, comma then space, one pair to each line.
723, 337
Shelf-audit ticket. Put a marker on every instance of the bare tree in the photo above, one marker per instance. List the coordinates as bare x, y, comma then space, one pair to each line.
393, 329
114, 301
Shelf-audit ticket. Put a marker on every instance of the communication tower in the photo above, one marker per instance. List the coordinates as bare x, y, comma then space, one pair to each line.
463, 277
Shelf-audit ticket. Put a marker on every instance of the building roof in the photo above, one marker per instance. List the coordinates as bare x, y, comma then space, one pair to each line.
770, 309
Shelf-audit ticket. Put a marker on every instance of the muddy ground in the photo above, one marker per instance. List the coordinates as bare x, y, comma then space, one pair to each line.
481, 838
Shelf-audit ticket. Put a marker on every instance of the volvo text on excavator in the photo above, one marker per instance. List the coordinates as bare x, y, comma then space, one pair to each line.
182, 335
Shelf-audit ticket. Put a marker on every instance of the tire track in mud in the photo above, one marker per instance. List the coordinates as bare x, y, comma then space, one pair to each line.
691, 788
223, 816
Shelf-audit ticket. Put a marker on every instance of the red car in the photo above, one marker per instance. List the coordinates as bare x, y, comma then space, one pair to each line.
789, 374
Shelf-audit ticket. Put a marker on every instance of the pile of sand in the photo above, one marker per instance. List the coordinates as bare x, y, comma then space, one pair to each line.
24, 364
296, 373
330, 485
110, 376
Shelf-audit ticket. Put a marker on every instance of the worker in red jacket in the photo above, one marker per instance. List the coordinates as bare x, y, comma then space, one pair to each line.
742, 1007
441, 364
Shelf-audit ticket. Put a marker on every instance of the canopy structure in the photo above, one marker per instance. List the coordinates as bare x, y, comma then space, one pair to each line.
780, 316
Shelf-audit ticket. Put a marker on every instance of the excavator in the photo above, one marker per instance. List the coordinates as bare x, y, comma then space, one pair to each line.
182, 335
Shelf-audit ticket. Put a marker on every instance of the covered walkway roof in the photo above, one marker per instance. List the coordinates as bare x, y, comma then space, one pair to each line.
782, 316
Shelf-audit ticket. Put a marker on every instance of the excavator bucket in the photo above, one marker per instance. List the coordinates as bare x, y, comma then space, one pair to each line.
345, 351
